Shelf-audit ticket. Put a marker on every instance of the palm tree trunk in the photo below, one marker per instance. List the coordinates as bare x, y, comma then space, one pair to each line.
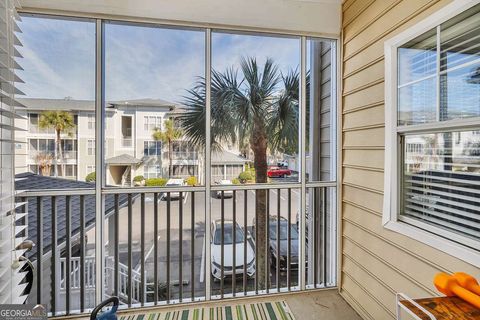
55, 155
259, 148
60, 152
170, 154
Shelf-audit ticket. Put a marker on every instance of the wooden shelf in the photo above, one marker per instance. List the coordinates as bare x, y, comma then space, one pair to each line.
443, 308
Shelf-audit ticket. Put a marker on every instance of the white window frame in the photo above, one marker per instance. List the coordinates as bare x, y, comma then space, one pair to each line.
391, 213
90, 168
91, 147
91, 121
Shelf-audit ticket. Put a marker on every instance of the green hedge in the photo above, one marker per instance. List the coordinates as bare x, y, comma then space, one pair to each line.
91, 177
191, 181
246, 176
138, 178
156, 182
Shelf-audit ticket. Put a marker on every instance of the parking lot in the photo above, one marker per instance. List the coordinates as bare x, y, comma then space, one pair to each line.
183, 249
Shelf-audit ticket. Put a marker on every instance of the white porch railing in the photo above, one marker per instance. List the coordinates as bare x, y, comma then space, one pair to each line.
89, 267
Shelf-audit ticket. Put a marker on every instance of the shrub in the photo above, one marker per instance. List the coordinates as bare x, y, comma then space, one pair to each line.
235, 181
156, 182
191, 181
138, 178
246, 176
91, 177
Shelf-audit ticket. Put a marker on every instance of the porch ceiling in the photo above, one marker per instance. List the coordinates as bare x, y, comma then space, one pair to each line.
320, 17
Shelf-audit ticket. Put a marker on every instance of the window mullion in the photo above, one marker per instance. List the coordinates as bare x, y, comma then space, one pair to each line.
437, 74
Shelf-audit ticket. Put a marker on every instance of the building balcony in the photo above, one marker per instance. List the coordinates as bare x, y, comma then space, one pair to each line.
67, 156
127, 142
182, 155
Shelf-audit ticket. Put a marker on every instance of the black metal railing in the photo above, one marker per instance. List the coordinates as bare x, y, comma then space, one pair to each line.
158, 248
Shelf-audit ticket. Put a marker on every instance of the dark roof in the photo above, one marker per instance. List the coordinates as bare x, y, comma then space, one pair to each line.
30, 181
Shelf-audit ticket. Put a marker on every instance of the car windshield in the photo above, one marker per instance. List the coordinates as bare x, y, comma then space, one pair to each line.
283, 231
228, 235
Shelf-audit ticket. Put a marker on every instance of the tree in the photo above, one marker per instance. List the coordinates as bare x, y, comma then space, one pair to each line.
61, 122
262, 107
168, 136
44, 162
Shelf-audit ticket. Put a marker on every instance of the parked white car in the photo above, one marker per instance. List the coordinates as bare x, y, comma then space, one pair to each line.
226, 193
173, 183
216, 250
282, 163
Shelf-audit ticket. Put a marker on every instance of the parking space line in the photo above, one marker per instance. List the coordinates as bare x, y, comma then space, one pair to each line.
202, 264
281, 197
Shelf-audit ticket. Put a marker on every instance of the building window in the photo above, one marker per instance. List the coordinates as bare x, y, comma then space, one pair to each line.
151, 122
91, 121
70, 171
152, 148
91, 147
432, 103
90, 169
152, 171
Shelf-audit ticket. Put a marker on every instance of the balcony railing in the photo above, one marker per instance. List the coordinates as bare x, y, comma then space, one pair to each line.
182, 155
163, 248
67, 155
37, 129
127, 142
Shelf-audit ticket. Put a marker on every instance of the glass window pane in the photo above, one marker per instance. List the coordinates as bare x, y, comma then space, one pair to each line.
442, 181
142, 62
255, 104
417, 102
59, 87
417, 59
460, 93
460, 39
320, 118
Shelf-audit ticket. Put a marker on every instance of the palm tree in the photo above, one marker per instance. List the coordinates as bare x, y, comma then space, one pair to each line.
168, 136
252, 111
44, 162
61, 122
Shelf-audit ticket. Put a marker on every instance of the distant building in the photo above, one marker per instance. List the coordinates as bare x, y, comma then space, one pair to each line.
130, 149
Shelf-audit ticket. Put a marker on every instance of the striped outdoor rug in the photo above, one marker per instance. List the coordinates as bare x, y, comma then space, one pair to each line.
254, 311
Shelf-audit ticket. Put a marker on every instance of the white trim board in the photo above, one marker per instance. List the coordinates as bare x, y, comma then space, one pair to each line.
390, 218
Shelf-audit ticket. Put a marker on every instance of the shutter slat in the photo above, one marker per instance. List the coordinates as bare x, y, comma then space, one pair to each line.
441, 222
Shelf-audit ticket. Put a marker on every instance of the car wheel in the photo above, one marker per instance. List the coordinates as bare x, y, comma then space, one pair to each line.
273, 261
284, 175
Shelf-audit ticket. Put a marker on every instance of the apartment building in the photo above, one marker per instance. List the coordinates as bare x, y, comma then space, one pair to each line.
130, 149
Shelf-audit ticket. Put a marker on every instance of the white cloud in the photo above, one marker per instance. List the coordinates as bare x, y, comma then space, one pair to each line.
141, 62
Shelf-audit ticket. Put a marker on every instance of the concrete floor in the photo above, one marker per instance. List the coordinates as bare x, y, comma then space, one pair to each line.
315, 305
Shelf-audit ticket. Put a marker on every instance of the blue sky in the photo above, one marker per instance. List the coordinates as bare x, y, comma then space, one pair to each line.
141, 62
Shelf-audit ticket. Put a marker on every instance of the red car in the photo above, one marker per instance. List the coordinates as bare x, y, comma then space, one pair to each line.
275, 172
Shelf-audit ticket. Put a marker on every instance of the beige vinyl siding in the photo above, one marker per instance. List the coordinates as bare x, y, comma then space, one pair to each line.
376, 263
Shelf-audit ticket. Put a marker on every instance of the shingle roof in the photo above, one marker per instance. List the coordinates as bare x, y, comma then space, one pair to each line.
30, 181
145, 102
58, 104
226, 157
123, 159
